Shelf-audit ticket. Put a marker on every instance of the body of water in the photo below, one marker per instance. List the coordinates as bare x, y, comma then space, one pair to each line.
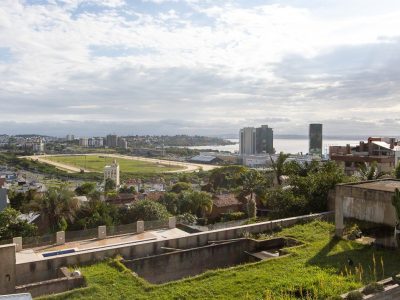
293, 146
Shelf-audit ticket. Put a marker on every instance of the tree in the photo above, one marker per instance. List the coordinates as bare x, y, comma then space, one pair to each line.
85, 189
57, 207
128, 190
180, 186
145, 210
12, 226
396, 203
95, 213
109, 185
252, 182
397, 171
278, 166
170, 201
195, 202
225, 178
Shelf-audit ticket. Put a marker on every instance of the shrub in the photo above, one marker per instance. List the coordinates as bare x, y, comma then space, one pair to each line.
232, 216
354, 295
354, 233
145, 210
372, 288
187, 218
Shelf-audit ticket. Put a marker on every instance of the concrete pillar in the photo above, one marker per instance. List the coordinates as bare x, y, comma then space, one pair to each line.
60, 238
140, 226
339, 225
171, 222
102, 232
7, 269
18, 243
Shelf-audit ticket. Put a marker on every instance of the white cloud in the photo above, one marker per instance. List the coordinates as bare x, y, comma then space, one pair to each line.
218, 62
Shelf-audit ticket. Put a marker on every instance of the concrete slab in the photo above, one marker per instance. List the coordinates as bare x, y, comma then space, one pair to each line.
380, 185
29, 255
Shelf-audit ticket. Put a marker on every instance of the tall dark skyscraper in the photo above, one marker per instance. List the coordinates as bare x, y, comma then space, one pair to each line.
112, 141
315, 139
264, 139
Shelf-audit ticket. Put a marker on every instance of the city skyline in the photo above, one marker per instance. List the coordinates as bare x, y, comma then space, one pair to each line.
198, 67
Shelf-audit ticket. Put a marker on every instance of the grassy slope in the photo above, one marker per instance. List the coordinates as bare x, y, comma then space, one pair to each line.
96, 163
316, 267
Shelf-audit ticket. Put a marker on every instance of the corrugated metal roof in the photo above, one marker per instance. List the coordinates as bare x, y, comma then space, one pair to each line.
203, 158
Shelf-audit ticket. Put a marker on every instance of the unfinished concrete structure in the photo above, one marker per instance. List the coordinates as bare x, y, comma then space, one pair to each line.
367, 201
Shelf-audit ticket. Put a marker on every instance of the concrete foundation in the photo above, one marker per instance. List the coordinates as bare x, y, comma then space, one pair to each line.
190, 262
18, 243
60, 238
171, 222
7, 269
102, 232
140, 226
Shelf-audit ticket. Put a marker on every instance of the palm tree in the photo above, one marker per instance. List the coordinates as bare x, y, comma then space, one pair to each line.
252, 183
369, 172
278, 166
57, 206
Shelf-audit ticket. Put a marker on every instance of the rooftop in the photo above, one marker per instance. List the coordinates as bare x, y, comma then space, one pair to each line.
379, 185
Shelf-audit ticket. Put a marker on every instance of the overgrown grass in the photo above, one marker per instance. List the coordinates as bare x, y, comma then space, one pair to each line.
96, 163
316, 270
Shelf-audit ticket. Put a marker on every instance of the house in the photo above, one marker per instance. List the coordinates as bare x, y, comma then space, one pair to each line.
224, 203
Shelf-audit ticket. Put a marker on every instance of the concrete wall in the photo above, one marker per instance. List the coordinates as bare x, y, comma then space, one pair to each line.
7, 269
52, 286
367, 205
180, 264
47, 267
191, 262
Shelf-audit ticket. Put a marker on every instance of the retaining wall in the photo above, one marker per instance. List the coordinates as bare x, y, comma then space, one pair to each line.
46, 268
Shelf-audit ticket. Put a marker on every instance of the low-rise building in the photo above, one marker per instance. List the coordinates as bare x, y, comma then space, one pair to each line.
224, 203
385, 152
112, 172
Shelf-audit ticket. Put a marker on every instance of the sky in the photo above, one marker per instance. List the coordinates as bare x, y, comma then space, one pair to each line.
92, 67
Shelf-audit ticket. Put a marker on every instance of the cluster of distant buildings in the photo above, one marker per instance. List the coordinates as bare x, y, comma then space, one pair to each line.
28, 143
110, 141
383, 151
256, 145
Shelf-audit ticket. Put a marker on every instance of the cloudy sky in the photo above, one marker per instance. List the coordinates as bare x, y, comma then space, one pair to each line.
90, 67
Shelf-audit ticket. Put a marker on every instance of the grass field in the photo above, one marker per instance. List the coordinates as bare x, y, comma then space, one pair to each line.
96, 163
318, 269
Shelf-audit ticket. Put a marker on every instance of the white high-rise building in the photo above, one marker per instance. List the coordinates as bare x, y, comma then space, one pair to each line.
247, 141
112, 172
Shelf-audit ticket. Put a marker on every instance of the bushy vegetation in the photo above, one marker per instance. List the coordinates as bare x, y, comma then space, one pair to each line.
318, 270
11, 225
144, 210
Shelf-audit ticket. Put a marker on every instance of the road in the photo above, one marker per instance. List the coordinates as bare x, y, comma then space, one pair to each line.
188, 167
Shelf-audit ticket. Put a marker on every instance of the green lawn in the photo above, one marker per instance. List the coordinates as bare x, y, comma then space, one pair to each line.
96, 163
318, 268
